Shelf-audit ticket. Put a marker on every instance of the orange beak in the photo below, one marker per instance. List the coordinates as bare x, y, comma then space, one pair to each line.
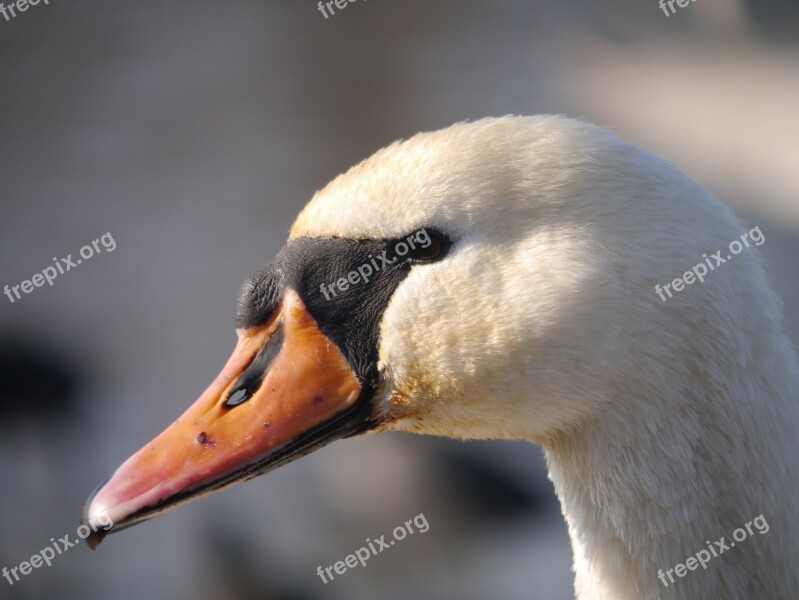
286, 390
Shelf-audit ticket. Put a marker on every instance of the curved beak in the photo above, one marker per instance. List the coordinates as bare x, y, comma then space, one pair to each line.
285, 391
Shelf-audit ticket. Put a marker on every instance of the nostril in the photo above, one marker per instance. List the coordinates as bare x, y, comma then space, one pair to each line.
237, 397
253, 376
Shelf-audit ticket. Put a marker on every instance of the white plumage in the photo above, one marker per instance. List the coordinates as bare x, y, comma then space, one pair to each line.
665, 424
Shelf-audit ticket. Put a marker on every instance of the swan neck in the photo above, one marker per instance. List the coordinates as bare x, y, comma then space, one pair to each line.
666, 469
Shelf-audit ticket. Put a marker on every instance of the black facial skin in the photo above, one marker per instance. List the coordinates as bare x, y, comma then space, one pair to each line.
351, 318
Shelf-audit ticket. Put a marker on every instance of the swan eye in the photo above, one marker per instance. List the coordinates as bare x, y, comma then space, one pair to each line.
436, 249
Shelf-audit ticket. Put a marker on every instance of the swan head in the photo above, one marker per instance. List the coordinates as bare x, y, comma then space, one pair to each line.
495, 279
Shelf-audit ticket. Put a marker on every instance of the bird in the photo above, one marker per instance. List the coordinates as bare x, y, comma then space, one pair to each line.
502, 279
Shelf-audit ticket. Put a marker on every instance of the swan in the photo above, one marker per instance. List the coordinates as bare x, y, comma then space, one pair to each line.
510, 294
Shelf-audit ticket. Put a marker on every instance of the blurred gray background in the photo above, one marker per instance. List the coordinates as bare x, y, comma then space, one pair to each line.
193, 132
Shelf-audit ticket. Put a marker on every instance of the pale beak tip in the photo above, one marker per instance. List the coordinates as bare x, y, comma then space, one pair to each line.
96, 519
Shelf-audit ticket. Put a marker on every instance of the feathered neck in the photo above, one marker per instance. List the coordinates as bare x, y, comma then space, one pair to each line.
685, 454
